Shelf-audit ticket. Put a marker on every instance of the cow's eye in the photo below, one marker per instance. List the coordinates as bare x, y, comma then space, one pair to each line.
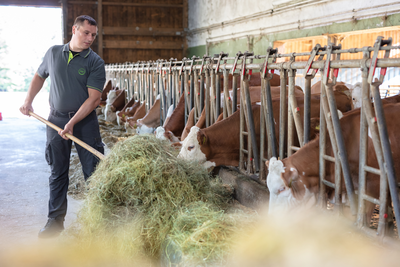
190, 148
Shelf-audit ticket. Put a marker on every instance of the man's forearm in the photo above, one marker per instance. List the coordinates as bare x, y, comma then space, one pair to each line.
34, 88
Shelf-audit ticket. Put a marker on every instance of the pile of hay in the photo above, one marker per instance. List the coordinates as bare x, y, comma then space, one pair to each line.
110, 134
142, 196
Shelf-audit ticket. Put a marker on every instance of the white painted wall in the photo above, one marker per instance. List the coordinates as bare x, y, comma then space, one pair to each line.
218, 20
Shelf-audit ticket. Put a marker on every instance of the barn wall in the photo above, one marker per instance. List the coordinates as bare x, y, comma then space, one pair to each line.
134, 30
216, 26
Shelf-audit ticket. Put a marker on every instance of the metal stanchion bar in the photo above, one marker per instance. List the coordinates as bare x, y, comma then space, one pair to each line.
307, 110
355, 63
251, 123
201, 92
217, 95
387, 153
282, 114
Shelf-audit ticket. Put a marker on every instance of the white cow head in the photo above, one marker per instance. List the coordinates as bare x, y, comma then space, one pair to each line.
191, 149
109, 115
160, 133
129, 129
112, 95
143, 129
284, 195
119, 121
356, 94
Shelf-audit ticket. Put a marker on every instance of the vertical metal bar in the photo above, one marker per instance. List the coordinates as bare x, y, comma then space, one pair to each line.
263, 126
271, 119
251, 124
201, 93
369, 113
290, 120
207, 98
170, 89
186, 94
307, 109
151, 86
175, 85
227, 102
217, 95
234, 92
361, 214
159, 90
213, 113
342, 150
196, 96
387, 153
241, 143
282, 114
295, 107
163, 97
245, 120
191, 92
322, 152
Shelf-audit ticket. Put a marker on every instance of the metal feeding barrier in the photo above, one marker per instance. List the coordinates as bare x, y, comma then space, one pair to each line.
201, 79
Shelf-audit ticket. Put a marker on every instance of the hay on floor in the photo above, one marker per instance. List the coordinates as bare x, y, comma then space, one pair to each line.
141, 194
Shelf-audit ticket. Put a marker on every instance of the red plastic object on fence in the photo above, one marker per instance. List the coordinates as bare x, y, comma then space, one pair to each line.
1, 117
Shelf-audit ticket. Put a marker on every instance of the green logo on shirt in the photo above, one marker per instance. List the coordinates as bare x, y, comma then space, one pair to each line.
81, 71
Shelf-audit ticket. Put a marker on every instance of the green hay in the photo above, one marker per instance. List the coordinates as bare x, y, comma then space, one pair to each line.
202, 234
137, 192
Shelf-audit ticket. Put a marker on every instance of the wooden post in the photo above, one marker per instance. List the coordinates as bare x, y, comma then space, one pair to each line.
100, 28
64, 8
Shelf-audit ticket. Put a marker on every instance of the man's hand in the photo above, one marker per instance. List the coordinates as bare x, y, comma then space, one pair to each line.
25, 108
68, 128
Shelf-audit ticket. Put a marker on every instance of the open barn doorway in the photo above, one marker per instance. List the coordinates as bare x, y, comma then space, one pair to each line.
26, 33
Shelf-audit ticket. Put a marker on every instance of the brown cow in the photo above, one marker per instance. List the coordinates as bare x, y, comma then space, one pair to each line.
201, 123
131, 121
294, 181
255, 80
115, 102
219, 143
255, 96
128, 110
151, 120
172, 129
105, 92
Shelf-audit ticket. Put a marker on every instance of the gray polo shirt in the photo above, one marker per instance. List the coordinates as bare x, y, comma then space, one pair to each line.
71, 76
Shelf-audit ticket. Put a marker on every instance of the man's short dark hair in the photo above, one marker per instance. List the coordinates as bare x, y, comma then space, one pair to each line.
80, 20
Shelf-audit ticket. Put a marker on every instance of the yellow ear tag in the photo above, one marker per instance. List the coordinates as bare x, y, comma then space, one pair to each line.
317, 128
204, 140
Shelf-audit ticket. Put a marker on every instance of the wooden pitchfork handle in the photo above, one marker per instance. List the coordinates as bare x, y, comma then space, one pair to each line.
73, 138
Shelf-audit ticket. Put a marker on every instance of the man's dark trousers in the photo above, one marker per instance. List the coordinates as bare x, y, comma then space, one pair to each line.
58, 151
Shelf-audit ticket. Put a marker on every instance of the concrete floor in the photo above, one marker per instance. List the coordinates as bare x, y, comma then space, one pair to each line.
24, 181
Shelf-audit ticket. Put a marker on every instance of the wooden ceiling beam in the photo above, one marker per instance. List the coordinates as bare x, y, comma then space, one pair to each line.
148, 31
119, 44
32, 3
126, 4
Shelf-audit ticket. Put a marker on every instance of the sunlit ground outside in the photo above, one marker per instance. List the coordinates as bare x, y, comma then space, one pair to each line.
26, 33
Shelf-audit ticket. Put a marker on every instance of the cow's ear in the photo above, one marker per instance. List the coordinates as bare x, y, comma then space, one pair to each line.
201, 137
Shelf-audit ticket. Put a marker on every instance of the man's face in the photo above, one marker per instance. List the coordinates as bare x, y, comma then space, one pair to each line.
84, 35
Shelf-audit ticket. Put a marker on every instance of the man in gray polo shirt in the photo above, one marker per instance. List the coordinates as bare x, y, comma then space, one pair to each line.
77, 80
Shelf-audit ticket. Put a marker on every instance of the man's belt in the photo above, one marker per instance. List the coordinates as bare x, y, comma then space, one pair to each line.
57, 113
